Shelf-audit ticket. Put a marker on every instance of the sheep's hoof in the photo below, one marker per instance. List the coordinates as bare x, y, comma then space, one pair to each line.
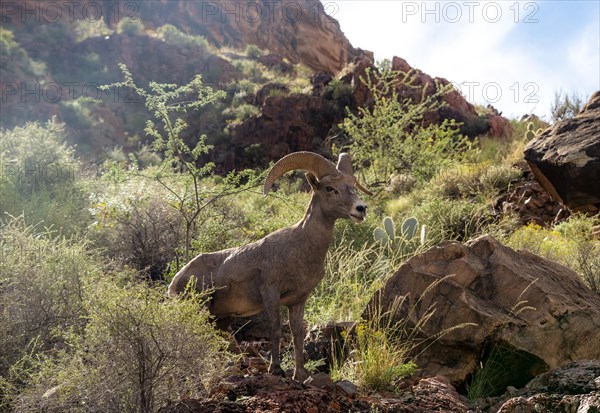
300, 375
276, 370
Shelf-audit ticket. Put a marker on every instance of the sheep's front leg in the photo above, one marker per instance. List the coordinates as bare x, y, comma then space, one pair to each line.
271, 303
297, 327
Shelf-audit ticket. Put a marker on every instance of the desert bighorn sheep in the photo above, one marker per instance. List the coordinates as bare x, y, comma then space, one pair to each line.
285, 266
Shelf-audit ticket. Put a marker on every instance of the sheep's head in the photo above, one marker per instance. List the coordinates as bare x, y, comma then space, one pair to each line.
335, 186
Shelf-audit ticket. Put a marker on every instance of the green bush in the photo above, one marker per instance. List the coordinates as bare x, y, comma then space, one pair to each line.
135, 224
392, 136
379, 360
253, 71
352, 275
42, 286
253, 51
236, 115
130, 26
380, 350
89, 28
138, 350
570, 243
565, 106
41, 178
452, 219
172, 35
479, 181
342, 93
16, 61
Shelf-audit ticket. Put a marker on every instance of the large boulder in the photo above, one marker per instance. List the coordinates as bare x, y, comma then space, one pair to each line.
534, 313
565, 158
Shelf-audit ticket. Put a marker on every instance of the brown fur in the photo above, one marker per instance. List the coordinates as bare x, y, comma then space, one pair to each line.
280, 269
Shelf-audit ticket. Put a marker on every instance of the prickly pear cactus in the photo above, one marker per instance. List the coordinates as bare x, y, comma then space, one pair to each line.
530, 134
409, 228
386, 234
388, 224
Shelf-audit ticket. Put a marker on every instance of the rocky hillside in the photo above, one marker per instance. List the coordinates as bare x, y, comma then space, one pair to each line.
300, 31
276, 61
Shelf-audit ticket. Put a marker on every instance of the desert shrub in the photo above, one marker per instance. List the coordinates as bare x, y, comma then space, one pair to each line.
586, 254
130, 26
172, 35
357, 266
492, 149
41, 179
300, 86
236, 115
481, 181
42, 282
452, 219
77, 112
135, 224
456, 204
42, 277
565, 106
392, 137
182, 169
352, 275
340, 92
87, 28
138, 350
15, 59
378, 362
253, 51
570, 243
241, 90
253, 71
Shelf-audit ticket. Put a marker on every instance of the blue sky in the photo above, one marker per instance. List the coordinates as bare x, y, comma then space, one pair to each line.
512, 54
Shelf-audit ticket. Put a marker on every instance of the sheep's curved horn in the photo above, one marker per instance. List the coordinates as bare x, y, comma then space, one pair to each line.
308, 161
362, 188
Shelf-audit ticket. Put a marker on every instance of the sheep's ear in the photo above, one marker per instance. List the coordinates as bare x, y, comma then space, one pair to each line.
312, 181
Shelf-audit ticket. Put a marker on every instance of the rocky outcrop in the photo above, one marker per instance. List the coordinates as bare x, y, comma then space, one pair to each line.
456, 108
565, 158
300, 30
434, 394
530, 202
286, 124
529, 310
574, 387
264, 392
454, 105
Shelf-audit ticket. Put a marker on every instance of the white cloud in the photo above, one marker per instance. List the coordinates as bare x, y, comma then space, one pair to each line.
583, 58
482, 46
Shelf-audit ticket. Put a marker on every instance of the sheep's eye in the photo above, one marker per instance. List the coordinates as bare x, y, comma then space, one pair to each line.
329, 188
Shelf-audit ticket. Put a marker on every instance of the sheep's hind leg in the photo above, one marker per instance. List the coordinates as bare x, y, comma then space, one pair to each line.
223, 323
297, 327
271, 304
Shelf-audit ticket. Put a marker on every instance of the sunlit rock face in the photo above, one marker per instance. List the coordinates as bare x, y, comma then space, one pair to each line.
530, 309
565, 158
